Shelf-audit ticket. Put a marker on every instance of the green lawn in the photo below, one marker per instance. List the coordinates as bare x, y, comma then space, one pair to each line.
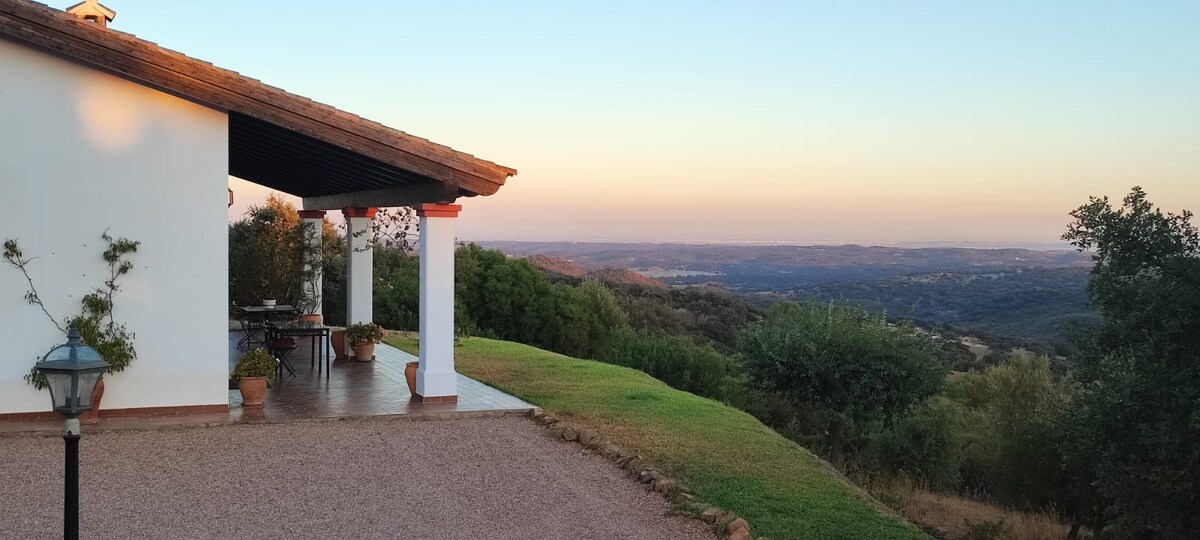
725, 456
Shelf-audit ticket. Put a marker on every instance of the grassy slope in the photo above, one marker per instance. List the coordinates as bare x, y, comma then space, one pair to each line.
725, 456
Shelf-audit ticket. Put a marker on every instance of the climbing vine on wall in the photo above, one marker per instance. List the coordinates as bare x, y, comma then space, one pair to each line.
95, 321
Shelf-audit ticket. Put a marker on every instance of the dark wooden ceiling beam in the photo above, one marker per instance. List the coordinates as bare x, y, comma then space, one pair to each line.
384, 198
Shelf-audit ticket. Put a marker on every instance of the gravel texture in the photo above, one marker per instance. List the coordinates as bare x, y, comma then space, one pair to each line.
462, 478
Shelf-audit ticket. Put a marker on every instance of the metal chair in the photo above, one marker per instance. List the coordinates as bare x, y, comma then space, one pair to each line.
281, 347
252, 329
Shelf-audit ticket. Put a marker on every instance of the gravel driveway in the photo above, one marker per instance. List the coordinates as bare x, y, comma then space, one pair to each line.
380, 478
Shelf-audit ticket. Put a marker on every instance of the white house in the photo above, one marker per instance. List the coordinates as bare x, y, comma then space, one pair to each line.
102, 131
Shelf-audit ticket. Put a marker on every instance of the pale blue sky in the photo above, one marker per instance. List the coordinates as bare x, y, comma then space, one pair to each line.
874, 122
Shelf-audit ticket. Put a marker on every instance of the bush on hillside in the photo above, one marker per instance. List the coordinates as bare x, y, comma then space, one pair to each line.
510, 299
926, 445
843, 360
674, 360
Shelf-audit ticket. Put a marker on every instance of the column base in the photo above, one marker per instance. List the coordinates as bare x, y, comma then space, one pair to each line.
434, 399
432, 385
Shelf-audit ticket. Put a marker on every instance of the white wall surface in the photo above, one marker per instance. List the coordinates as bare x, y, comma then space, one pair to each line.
81, 152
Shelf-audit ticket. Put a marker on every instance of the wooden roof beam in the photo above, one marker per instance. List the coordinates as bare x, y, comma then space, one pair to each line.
384, 198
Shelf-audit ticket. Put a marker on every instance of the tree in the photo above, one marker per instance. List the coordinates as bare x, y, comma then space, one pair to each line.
843, 360
1139, 408
1015, 431
266, 254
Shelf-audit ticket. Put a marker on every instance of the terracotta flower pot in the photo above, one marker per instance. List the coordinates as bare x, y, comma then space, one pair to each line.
97, 395
364, 351
311, 318
253, 390
338, 339
410, 376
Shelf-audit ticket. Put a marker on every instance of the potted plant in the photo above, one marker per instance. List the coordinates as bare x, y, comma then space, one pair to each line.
251, 372
362, 338
309, 302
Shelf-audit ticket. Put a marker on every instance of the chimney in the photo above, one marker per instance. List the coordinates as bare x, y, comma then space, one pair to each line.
91, 11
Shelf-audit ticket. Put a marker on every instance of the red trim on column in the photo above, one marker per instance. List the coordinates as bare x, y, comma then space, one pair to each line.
434, 399
312, 214
437, 210
359, 212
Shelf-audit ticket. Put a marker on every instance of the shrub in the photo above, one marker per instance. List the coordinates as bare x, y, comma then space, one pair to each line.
364, 332
256, 363
847, 361
673, 360
926, 445
1015, 437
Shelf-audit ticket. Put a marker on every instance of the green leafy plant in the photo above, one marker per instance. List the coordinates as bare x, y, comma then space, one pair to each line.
96, 323
256, 363
361, 332
309, 301
843, 361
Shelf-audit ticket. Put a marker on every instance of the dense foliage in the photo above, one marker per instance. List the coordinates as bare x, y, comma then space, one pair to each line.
997, 432
255, 363
1139, 371
510, 299
845, 361
674, 360
1034, 305
266, 255
267, 260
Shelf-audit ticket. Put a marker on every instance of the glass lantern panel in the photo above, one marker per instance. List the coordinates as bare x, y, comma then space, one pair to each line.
60, 387
61, 352
86, 354
87, 385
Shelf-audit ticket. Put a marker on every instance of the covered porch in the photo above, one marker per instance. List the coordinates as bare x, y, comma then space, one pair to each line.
358, 389
337, 162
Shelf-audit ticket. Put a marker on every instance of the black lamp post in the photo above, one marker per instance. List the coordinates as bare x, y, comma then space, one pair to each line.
72, 371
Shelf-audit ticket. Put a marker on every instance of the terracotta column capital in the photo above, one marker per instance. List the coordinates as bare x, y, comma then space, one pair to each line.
368, 212
312, 214
437, 210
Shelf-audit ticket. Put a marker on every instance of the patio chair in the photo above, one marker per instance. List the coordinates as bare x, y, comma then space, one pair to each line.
252, 329
281, 347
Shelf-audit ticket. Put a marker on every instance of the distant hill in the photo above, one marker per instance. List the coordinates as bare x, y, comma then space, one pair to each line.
1022, 294
563, 268
557, 267
757, 267
1030, 305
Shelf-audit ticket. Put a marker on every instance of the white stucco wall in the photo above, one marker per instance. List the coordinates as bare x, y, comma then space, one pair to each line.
81, 152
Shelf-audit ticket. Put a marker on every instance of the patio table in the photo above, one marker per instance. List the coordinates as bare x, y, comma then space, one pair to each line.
318, 339
255, 316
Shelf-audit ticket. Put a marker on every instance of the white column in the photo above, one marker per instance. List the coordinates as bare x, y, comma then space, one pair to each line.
436, 379
359, 281
312, 221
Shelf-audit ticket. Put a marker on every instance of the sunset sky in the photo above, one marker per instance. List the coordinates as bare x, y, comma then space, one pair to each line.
865, 122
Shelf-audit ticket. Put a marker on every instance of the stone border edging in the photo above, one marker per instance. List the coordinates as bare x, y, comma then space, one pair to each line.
718, 519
